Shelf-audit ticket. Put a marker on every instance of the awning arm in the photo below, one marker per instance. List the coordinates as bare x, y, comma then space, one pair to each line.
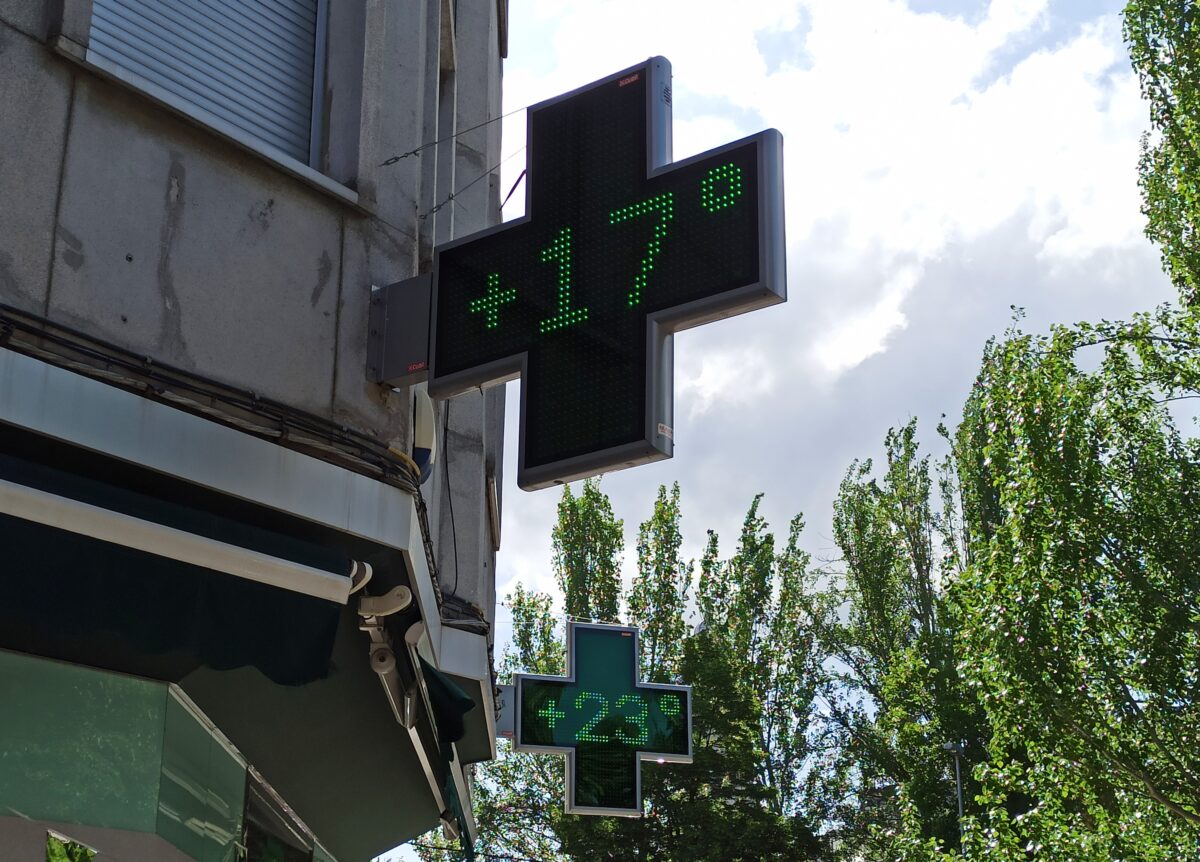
41, 507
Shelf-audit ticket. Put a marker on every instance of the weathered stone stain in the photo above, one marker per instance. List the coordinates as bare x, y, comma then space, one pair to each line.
72, 253
324, 271
260, 216
8, 282
171, 334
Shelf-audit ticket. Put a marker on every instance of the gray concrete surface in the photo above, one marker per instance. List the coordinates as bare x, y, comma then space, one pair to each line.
395, 66
33, 125
149, 231
343, 91
28, 16
180, 250
374, 253
474, 435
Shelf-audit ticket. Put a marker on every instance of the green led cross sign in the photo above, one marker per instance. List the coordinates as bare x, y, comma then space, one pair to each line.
619, 248
603, 720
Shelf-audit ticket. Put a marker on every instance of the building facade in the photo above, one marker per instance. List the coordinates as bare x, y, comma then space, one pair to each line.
241, 615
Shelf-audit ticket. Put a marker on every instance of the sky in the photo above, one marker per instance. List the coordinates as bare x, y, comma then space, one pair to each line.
944, 161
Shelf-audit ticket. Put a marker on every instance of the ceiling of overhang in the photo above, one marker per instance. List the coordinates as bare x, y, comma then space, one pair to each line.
332, 749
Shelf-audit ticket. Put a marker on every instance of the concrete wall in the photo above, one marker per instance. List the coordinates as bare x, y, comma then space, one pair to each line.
146, 229
475, 430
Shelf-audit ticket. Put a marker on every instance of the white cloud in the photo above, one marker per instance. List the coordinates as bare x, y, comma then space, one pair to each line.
939, 168
900, 143
895, 137
864, 332
729, 378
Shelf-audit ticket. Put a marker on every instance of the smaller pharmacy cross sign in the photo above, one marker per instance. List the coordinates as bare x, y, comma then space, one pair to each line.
603, 720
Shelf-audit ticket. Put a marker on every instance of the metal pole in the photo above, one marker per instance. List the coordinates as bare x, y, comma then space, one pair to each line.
957, 749
958, 787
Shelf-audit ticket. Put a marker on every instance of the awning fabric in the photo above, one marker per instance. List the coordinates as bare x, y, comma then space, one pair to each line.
78, 599
450, 703
81, 599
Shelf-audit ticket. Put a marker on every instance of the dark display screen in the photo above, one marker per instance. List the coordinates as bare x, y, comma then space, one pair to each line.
603, 247
606, 718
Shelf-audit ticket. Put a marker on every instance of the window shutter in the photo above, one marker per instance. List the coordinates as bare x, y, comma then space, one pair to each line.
249, 63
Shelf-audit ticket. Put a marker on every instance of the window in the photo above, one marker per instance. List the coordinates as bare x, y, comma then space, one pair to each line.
246, 69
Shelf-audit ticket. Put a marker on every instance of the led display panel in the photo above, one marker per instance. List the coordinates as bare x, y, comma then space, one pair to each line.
603, 719
618, 249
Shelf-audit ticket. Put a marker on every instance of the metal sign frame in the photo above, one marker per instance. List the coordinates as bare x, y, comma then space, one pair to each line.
569, 751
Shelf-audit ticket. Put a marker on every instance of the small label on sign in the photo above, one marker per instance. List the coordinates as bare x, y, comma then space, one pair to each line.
629, 80
665, 430
418, 366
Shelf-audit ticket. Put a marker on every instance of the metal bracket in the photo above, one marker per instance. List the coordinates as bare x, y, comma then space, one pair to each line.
398, 332
391, 602
506, 711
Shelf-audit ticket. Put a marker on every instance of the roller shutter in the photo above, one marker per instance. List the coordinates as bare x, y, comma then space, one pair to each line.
248, 63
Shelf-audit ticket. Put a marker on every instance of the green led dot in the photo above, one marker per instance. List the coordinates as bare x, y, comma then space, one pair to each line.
551, 713
559, 251
588, 732
730, 176
639, 717
664, 205
489, 304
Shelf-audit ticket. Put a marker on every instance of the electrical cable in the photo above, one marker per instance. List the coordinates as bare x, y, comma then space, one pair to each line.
514, 188
393, 159
453, 195
572, 618
449, 491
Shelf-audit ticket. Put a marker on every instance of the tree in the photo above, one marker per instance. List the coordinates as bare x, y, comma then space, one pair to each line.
1164, 45
885, 629
753, 681
658, 597
59, 849
588, 541
1083, 603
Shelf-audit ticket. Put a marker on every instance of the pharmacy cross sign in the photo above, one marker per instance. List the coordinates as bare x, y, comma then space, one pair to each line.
619, 249
603, 720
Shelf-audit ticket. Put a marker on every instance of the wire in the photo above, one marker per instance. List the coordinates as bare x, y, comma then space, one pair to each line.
425, 146
514, 187
572, 618
499, 857
449, 491
453, 195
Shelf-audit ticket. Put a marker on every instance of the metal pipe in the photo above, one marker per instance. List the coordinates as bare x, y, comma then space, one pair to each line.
956, 749
958, 786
